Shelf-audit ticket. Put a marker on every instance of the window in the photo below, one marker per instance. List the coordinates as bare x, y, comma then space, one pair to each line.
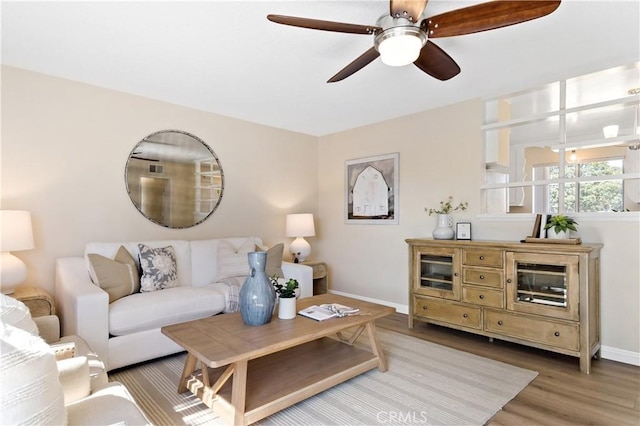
592, 196
569, 147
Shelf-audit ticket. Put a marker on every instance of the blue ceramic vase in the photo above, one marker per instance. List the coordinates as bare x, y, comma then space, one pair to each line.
257, 295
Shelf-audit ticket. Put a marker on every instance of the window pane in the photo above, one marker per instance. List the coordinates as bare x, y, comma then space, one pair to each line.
589, 125
523, 104
602, 86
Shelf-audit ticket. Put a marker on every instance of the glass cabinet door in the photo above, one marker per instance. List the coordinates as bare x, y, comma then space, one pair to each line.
543, 284
438, 274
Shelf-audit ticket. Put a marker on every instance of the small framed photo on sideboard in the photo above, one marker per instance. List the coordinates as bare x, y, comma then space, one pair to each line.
463, 231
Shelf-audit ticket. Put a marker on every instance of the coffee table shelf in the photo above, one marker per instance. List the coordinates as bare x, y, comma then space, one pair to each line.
285, 378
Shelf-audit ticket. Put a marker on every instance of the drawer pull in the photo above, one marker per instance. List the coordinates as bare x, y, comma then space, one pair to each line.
499, 322
482, 277
481, 257
464, 315
557, 334
424, 307
481, 296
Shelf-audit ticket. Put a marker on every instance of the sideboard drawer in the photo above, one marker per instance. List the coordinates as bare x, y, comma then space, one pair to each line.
483, 296
452, 313
490, 278
552, 333
482, 257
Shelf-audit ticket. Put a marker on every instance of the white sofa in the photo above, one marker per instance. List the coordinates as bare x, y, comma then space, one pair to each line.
127, 331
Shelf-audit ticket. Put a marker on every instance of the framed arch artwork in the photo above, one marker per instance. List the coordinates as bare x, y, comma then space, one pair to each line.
371, 190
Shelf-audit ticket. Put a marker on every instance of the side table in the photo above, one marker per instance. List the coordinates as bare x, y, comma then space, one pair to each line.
39, 302
320, 276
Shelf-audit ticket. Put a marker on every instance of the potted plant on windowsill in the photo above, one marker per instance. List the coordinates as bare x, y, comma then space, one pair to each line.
287, 297
559, 227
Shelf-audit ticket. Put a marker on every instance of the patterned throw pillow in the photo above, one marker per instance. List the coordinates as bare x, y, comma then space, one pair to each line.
159, 270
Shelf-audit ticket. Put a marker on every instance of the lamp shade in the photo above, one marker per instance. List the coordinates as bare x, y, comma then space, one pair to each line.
300, 225
17, 233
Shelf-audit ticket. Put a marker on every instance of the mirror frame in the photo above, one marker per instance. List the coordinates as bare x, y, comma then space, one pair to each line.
214, 157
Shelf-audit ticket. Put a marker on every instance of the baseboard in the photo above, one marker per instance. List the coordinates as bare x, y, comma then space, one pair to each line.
402, 309
606, 352
620, 355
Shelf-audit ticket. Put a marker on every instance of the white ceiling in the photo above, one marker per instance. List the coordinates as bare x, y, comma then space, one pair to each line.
226, 58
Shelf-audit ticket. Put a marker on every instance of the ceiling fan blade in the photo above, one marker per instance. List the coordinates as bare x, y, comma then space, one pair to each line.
486, 16
409, 9
435, 62
316, 24
360, 62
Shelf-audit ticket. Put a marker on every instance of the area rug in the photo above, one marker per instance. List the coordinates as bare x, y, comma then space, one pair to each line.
426, 384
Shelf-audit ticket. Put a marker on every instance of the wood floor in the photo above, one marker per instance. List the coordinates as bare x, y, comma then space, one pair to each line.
560, 394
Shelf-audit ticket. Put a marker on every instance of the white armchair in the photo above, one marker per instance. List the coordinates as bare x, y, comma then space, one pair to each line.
37, 388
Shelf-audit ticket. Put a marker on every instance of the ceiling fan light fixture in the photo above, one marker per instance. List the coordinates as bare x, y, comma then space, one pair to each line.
399, 46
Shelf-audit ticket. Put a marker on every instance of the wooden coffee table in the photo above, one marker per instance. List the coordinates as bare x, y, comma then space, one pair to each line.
275, 365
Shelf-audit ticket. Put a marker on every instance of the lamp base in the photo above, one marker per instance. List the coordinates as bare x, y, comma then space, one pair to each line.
300, 249
13, 271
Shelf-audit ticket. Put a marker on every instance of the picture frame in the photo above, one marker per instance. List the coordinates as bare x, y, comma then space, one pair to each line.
463, 231
371, 190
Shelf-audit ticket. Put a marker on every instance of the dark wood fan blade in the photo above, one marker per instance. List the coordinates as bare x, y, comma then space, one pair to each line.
435, 62
316, 24
409, 9
486, 16
360, 62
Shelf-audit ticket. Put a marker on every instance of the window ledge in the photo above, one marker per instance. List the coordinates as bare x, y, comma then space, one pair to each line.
589, 217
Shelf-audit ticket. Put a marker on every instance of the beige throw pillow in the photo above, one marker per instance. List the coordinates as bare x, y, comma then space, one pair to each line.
118, 277
233, 262
274, 261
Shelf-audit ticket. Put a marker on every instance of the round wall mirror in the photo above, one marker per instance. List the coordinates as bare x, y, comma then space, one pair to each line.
174, 179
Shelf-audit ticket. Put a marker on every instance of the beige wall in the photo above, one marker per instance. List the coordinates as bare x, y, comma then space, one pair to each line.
65, 144
64, 149
441, 155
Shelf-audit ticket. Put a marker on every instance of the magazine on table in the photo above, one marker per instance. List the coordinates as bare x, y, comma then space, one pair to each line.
328, 310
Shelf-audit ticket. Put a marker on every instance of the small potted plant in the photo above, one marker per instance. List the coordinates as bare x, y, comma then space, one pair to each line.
559, 226
287, 297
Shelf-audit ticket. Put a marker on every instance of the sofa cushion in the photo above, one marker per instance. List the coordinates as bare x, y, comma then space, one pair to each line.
181, 248
30, 392
159, 269
146, 311
118, 277
233, 260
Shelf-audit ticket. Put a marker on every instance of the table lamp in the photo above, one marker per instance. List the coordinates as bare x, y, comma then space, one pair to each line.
300, 226
16, 235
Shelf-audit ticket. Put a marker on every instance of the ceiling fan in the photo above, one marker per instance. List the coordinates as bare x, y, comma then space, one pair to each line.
400, 39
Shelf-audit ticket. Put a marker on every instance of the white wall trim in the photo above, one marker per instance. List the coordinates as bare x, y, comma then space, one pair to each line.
403, 309
606, 352
620, 355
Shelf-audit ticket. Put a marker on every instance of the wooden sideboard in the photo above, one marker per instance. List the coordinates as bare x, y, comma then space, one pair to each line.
538, 294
